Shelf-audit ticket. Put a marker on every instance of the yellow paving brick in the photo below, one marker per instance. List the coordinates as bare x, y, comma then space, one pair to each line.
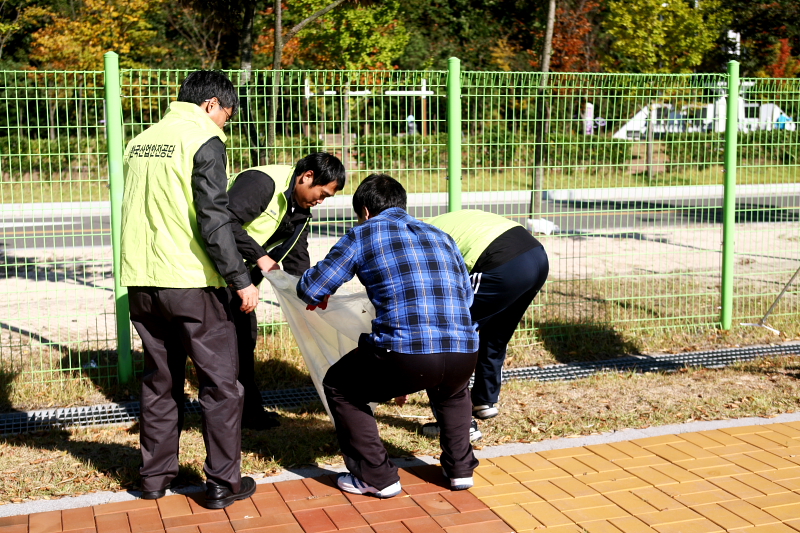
631, 503
498, 490
600, 526
781, 474
785, 429
695, 451
656, 441
534, 461
751, 513
677, 473
793, 523
734, 449
598, 463
571, 528
572, 465
725, 439
744, 430
574, 487
631, 483
735, 487
517, 517
509, 464
630, 448
494, 475
634, 462
596, 513
700, 498
772, 528
690, 487
670, 516
700, 440
762, 485
652, 476
787, 453
630, 524
712, 472
510, 499
607, 452
547, 514
695, 526
584, 502
771, 459
540, 475
693, 464
565, 452
669, 453
612, 475
795, 425
721, 516
785, 512
748, 463
790, 484
760, 442
778, 438
547, 490
774, 500
480, 481
658, 499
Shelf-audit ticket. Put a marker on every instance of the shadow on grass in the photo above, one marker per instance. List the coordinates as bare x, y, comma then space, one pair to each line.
570, 342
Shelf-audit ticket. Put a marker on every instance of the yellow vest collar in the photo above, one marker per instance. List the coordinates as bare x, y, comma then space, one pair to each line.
190, 111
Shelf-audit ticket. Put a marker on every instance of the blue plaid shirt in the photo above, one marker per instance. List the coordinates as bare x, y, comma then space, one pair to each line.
414, 276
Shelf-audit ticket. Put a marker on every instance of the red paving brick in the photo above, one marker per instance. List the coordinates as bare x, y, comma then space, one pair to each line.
314, 521
112, 523
48, 522
293, 490
345, 517
390, 527
262, 522
17, 528
422, 525
145, 520
434, 504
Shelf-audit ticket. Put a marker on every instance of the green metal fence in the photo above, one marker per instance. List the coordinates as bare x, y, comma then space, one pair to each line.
625, 175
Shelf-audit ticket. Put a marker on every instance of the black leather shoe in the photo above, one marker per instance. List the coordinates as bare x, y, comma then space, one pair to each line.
260, 421
219, 497
153, 494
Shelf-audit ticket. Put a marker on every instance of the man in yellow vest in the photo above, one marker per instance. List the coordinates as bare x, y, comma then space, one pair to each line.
178, 258
270, 209
508, 267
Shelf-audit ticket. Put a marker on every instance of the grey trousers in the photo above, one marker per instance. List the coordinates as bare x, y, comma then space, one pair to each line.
174, 324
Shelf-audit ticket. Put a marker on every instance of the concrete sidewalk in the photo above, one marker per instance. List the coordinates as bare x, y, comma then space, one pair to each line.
735, 475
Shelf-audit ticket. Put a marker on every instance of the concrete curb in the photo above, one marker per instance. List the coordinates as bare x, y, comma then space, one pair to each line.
99, 498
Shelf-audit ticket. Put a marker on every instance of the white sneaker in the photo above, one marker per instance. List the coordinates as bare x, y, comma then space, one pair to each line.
432, 430
353, 485
459, 483
484, 411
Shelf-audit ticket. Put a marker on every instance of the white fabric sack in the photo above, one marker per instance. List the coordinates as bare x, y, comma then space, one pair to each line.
323, 336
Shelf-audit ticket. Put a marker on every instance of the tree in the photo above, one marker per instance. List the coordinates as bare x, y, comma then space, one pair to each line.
661, 36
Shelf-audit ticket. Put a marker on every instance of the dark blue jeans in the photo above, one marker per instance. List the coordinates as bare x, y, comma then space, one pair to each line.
503, 295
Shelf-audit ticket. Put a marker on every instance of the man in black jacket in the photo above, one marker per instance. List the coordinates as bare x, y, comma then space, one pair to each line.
270, 208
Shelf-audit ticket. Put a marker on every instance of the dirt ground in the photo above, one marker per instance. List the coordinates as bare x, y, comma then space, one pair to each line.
66, 297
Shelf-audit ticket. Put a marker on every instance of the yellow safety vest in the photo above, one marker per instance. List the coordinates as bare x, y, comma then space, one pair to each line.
473, 230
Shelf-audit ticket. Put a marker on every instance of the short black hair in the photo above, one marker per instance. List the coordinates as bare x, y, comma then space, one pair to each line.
202, 85
327, 168
377, 193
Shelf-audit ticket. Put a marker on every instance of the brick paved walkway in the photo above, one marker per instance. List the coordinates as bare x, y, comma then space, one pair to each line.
739, 479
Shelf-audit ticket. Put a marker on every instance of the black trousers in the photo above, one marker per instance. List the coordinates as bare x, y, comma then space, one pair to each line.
246, 325
371, 374
174, 324
502, 297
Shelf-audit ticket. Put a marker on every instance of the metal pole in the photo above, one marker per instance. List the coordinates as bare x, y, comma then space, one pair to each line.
453, 134
729, 202
117, 184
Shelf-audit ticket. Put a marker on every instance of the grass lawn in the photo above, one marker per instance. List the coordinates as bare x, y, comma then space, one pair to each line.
51, 464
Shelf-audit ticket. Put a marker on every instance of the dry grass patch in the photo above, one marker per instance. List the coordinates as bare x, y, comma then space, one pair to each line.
75, 461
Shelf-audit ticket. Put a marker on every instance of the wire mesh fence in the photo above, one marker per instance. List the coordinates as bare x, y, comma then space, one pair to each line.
622, 174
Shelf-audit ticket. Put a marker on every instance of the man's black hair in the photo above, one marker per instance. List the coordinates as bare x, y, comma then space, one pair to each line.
202, 85
377, 193
326, 167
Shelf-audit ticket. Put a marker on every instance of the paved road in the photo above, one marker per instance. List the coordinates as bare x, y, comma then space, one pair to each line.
42, 226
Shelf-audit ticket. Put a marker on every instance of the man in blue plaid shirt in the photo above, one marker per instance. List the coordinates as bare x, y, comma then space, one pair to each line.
422, 336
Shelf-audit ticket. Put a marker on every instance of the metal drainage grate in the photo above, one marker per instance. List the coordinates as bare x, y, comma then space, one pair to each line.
114, 413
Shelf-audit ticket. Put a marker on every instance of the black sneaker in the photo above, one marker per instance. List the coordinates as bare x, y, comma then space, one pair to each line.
485, 411
432, 430
219, 497
260, 421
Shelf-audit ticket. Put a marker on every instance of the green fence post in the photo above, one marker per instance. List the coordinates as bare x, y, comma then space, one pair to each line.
453, 134
729, 202
117, 184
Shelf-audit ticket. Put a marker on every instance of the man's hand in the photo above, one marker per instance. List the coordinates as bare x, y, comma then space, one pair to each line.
249, 297
401, 400
266, 264
322, 305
